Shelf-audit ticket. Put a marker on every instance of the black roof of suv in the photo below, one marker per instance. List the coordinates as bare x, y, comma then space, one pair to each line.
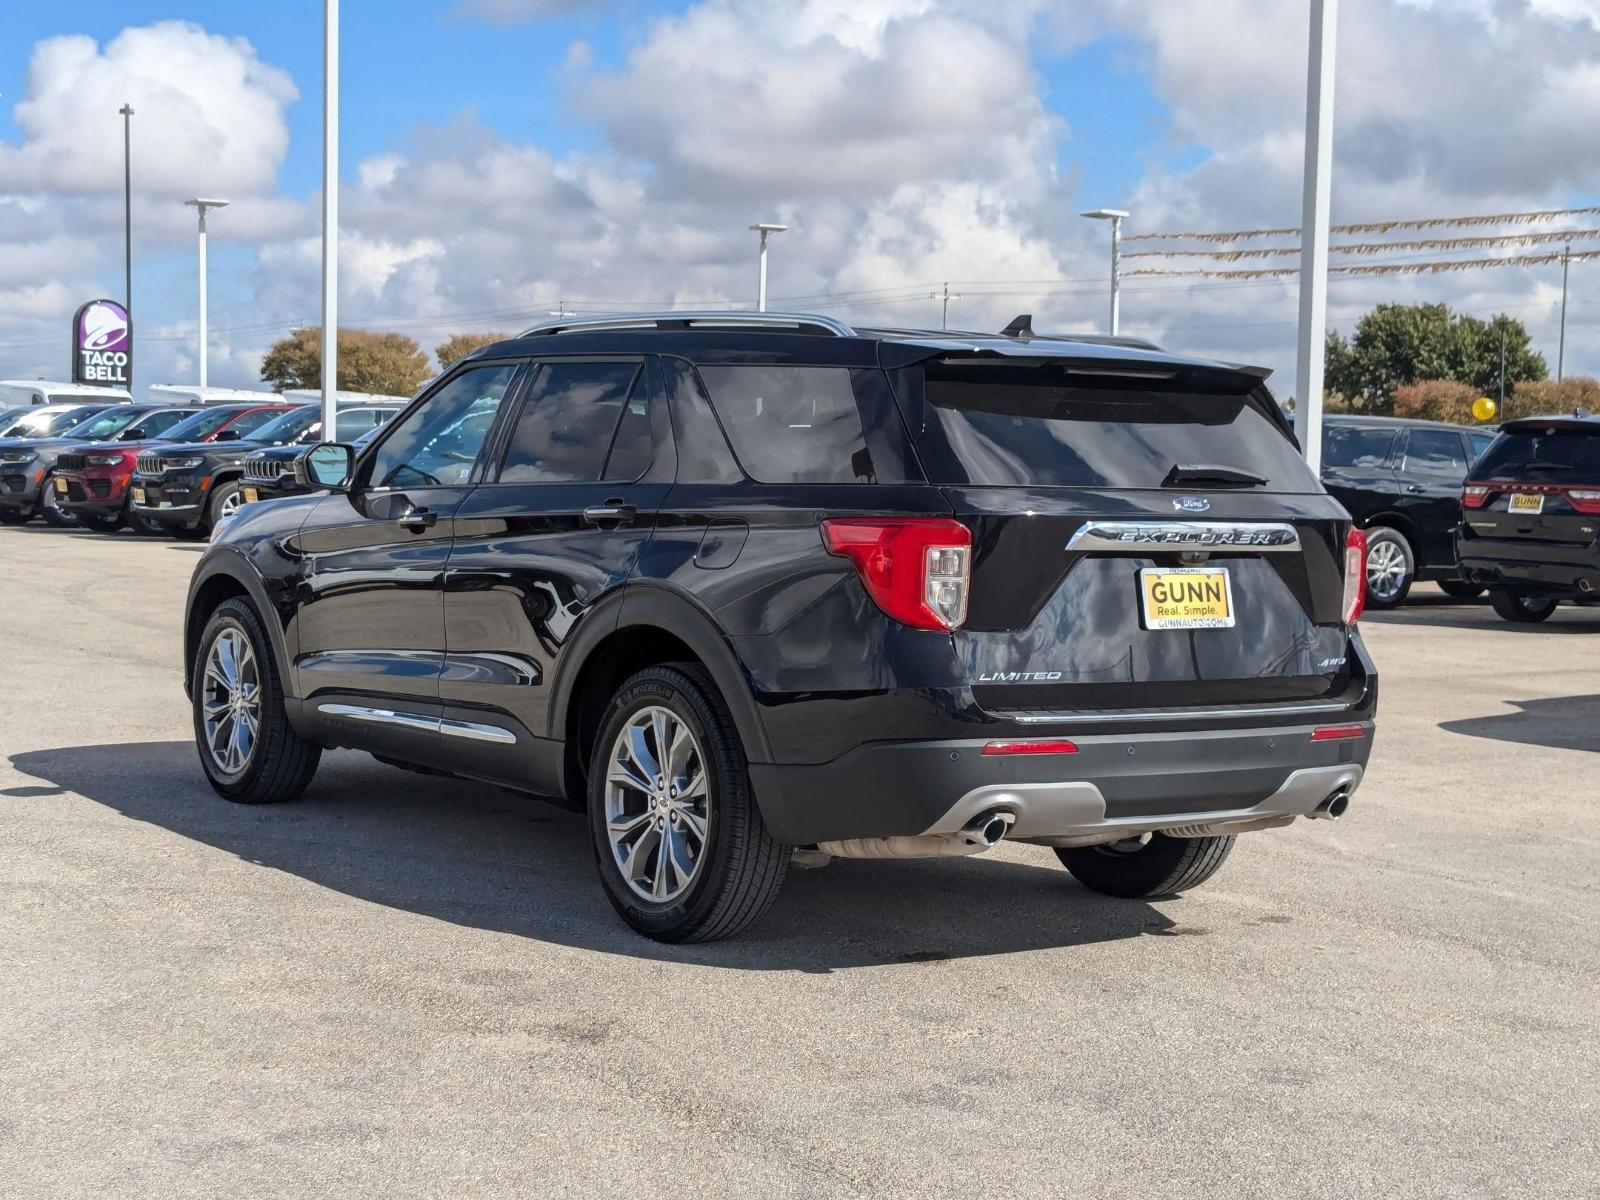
738, 583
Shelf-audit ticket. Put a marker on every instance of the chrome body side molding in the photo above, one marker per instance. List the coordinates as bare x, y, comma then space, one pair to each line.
471, 730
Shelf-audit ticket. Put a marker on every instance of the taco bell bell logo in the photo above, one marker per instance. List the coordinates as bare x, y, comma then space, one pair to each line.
102, 344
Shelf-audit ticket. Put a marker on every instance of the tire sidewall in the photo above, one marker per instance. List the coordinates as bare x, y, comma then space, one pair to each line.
1528, 610
1383, 533
218, 497
660, 688
52, 513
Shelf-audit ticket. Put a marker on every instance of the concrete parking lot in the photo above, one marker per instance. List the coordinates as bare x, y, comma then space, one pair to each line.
404, 986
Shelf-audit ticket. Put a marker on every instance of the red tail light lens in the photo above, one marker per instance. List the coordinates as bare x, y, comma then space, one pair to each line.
1585, 500
1058, 746
1355, 575
916, 569
1474, 495
1337, 733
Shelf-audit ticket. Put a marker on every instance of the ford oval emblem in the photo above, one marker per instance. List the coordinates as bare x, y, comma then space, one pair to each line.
1192, 504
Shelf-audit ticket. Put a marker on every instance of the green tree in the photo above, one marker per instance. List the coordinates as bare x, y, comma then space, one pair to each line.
388, 363
458, 345
1399, 344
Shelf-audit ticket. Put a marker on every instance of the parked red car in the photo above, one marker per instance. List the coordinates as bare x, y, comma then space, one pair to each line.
92, 479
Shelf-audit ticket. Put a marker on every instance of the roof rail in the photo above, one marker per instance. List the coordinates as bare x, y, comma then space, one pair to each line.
733, 319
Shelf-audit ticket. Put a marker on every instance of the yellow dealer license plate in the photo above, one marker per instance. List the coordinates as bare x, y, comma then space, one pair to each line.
1186, 598
138, 495
1526, 502
61, 485
250, 495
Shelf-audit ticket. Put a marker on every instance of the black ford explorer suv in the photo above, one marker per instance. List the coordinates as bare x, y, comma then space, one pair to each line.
742, 584
1531, 516
1401, 482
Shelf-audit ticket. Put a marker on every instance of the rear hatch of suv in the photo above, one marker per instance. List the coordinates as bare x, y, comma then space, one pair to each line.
1534, 496
1144, 536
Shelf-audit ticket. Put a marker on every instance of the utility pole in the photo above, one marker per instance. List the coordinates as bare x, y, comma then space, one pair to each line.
947, 295
1502, 367
200, 206
127, 210
1114, 215
330, 219
1561, 347
1316, 200
764, 228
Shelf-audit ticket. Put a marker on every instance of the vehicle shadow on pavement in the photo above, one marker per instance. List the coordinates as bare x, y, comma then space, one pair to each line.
481, 857
1568, 619
1560, 722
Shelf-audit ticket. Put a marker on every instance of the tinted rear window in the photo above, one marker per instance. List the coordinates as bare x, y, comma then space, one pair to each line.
792, 424
1553, 454
1351, 446
1015, 426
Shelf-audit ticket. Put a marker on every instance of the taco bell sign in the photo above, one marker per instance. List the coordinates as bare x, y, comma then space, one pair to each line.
102, 345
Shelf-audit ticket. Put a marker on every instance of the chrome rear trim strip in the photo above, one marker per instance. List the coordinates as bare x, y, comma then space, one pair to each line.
1147, 537
471, 730
1307, 708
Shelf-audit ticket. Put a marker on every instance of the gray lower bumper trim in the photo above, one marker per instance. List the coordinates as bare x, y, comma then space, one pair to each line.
1069, 813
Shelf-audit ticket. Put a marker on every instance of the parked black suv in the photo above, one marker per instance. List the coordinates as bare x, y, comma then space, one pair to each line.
1532, 509
742, 583
1401, 481
269, 473
193, 486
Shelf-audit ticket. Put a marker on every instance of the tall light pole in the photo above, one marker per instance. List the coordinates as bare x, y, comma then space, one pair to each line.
1114, 215
1561, 346
127, 209
330, 219
201, 206
1316, 200
764, 228
947, 295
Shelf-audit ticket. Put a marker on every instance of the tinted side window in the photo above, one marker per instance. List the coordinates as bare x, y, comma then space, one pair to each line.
565, 428
1480, 443
438, 443
1352, 446
160, 422
792, 424
1437, 451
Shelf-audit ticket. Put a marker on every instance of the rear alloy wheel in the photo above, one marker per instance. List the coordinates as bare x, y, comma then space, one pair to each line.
683, 852
248, 749
1460, 589
1524, 610
50, 505
1391, 566
1146, 867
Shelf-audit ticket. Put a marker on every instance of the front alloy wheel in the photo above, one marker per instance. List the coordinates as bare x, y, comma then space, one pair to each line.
657, 818
231, 703
1389, 568
50, 506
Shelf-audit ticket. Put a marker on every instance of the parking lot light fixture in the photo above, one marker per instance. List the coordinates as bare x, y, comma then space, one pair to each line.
764, 228
1115, 216
201, 205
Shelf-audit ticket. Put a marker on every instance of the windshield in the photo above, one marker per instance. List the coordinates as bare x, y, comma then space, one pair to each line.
1564, 453
108, 424
202, 425
49, 423
1041, 426
287, 427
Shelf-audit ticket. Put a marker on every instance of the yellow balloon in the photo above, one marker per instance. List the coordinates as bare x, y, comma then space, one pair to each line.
1484, 409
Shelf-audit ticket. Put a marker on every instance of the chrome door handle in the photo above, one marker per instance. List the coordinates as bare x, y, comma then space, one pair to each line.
612, 511
419, 519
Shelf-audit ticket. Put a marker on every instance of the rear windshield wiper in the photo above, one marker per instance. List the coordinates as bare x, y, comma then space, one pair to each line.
1183, 474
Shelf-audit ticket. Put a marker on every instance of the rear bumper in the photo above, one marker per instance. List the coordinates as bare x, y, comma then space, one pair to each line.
1114, 786
1553, 569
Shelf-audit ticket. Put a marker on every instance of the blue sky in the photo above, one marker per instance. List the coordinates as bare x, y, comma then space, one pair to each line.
617, 150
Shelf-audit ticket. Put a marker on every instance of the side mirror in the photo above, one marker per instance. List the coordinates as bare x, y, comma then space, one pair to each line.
325, 467
228, 435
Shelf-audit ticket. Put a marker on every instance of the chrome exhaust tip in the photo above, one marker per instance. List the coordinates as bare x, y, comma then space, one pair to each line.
1332, 808
988, 829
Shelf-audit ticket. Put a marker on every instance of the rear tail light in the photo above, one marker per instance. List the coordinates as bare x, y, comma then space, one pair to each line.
1474, 495
916, 569
1337, 733
1355, 575
1585, 500
1057, 746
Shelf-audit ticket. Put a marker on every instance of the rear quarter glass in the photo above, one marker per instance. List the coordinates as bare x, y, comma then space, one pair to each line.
1044, 426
